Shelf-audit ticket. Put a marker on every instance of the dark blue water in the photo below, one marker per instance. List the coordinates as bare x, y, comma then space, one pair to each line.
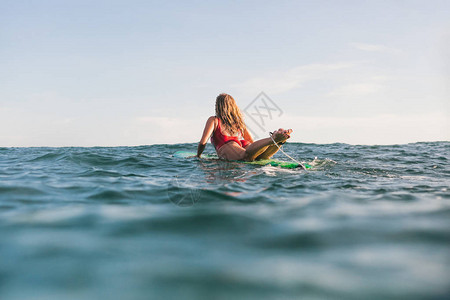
367, 222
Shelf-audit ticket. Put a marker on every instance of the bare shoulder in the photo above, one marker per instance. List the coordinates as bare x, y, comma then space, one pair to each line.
211, 120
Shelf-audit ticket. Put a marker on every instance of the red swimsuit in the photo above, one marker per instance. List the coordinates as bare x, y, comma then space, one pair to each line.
218, 139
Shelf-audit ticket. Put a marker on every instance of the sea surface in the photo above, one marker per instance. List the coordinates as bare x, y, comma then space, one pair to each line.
366, 222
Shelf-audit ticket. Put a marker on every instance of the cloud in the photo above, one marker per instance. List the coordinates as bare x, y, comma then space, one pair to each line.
363, 86
279, 82
356, 90
375, 48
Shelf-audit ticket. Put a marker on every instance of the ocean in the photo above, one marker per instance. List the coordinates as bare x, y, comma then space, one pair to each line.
366, 222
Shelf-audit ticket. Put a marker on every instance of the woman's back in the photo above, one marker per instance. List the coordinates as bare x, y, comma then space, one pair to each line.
221, 136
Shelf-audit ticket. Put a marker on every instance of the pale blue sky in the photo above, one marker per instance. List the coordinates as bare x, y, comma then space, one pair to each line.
108, 73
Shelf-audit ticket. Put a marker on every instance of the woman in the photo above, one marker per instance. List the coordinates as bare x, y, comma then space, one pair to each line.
230, 136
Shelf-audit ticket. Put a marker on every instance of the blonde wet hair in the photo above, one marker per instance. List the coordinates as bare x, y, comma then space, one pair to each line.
230, 114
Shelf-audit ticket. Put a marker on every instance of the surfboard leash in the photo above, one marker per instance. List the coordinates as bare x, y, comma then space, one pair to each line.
279, 148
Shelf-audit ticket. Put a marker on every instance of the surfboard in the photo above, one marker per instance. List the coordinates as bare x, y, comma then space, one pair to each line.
263, 162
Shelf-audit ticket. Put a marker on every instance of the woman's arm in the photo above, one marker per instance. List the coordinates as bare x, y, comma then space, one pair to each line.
248, 136
209, 127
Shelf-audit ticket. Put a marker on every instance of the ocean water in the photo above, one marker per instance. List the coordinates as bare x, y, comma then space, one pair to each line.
367, 222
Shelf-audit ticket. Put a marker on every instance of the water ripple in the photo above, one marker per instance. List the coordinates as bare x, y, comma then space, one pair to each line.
366, 222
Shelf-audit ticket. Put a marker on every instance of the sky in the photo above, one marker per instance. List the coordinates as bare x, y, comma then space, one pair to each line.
113, 73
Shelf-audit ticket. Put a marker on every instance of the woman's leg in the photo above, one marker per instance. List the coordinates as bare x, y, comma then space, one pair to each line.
272, 149
266, 146
257, 148
233, 151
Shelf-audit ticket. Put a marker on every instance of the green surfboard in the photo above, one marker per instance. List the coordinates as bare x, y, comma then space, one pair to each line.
263, 162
